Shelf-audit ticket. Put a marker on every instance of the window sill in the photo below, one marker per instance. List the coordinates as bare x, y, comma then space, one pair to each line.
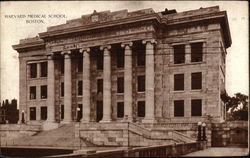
196, 90
178, 91
141, 92
43, 98
184, 64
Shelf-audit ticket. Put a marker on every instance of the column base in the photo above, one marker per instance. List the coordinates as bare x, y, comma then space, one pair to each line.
149, 120
49, 125
105, 121
66, 122
85, 121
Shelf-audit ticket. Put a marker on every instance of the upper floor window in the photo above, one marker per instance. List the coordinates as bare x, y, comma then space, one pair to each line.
196, 52
179, 54
80, 64
99, 61
196, 80
44, 69
32, 92
178, 82
120, 58
33, 70
120, 85
140, 54
79, 87
99, 85
141, 83
178, 108
43, 91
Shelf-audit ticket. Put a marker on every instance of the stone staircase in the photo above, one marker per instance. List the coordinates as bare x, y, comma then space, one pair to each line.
62, 137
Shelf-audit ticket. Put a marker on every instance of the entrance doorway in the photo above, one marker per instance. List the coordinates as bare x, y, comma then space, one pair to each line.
99, 110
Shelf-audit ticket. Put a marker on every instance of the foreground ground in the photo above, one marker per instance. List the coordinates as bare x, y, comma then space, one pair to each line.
221, 151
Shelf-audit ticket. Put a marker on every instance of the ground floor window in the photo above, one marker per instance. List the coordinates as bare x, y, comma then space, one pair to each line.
62, 112
120, 109
179, 108
141, 109
32, 113
44, 113
79, 112
196, 107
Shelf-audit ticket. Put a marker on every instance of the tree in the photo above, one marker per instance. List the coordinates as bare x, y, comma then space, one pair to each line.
236, 106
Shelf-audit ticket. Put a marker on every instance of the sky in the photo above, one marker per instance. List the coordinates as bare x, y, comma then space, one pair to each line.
14, 28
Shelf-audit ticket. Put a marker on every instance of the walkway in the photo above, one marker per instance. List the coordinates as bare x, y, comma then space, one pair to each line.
220, 151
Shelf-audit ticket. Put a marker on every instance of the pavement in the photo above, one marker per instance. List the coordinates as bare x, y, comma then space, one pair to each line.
220, 151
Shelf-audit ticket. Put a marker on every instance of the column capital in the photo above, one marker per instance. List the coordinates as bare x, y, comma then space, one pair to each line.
105, 46
50, 56
130, 44
84, 50
152, 41
67, 52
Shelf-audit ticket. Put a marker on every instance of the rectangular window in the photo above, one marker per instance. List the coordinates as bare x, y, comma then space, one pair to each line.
32, 113
62, 112
140, 54
62, 89
178, 82
44, 69
79, 87
99, 86
196, 107
43, 91
80, 64
62, 66
79, 112
32, 92
196, 52
33, 70
179, 54
141, 108
179, 108
141, 83
99, 60
120, 109
44, 113
120, 85
196, 79
120, 58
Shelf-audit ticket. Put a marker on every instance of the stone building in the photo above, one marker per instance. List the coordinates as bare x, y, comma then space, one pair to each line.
141, 66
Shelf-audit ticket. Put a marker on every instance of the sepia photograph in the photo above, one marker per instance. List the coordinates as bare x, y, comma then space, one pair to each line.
124, 79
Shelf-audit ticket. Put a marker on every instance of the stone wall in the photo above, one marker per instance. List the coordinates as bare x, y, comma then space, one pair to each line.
10, 132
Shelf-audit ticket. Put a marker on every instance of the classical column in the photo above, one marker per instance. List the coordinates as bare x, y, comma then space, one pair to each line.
106, 83
128, 94
67, 88
86, 85
51, 89
150, 73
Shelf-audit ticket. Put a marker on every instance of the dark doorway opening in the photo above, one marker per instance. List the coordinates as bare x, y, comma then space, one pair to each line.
99, 111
